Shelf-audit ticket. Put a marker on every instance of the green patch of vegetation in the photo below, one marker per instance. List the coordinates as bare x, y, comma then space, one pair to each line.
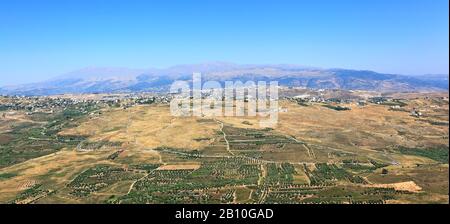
295, 194
253, 139
114, 155
201, 139
394, 103
96, 145
437, 123
97, 178
356, 166
328, 174
30, 140
438, 154
377, 165
181, 153
280, 174
4, 108
31, 194
204, 185
146, 167
146, 101
302, 103
5, 176
337, 108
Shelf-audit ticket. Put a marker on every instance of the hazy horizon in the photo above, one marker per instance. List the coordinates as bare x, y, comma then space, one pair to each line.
147, 69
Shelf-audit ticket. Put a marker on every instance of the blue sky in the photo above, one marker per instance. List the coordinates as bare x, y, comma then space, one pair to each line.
40, 39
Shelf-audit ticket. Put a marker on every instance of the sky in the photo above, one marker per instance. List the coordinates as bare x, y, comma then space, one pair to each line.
40, 39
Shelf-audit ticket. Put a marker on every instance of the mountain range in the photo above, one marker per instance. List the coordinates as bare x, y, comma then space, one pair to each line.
114, 80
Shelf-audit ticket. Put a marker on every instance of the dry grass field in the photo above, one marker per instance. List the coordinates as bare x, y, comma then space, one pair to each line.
368, 147
148, 127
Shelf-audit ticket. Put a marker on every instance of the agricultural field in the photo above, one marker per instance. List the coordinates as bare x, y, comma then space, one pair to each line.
317, 153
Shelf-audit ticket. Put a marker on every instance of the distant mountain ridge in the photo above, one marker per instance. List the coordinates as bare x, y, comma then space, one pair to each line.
113, 80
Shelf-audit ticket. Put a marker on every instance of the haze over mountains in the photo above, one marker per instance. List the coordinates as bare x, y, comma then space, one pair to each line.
113, 80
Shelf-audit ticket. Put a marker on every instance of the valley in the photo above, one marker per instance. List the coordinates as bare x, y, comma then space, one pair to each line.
96, 148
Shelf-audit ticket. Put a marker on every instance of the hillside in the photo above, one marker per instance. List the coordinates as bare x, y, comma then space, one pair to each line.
111, 80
